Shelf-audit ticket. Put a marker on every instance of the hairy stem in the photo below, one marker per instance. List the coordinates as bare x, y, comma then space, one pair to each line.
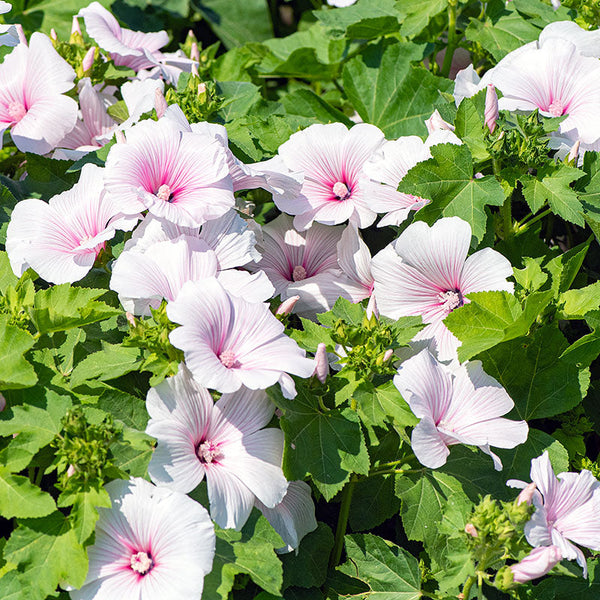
340, 532
467, 587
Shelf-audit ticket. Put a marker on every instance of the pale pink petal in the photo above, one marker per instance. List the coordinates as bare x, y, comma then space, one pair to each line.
536, 564
428, 444
231, 502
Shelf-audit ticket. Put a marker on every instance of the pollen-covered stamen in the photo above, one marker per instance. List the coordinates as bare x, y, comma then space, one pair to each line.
340, 190
299, 273
451, 299
207, 452
228, 359
16, 111
164, 193
556, 108
141, 562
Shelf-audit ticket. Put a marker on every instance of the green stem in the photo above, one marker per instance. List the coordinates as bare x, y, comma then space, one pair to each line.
525, 226
467, 587
452, 39
340, 532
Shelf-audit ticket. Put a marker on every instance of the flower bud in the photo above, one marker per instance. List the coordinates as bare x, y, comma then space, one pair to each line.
88, 60
526, 494
436, 123
160, 104
321, 363
574, 153
130, 318
471, 530
75, 28
71, 471
194, 52
194, 70
286, 307
388, 354
491, 107
536, 564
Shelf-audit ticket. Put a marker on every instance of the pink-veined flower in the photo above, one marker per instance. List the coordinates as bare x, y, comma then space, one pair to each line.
463, 405
223, 441
426, 272
331, 159
33, 81
177, 175
229, 342
567, 509
152, 544
61, 239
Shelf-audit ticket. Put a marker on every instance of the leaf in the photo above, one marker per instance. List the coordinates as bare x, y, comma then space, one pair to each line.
312, 335
389, 571
14, 343
419, 14
553, 185
565, 266
306, 103
532, 372
239, 98
586, 349
387, 91
328, 445
128, 409
578, 302
20, 498
469, 125
570, 588
84, 515
373, 501
424, 498
447, 179
46, 553
48, 176
109, 363
7, 277
63, 307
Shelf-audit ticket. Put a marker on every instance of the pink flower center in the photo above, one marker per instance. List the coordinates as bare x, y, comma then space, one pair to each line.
451, 299
556, 109
228, 359
207, 452
16, 111
299, 273
164, 193
340, 190
141, 562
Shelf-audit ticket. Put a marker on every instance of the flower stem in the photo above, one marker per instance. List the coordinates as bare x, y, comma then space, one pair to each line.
340, 532
467, 587
452, 39
525, 226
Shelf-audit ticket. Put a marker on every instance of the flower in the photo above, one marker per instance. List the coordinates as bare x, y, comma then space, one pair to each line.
61, 239
177, 175
456, 406
8, 33
229, 342
152, 544
426, 272
33, 80
224, 441
536, 564
128, 48
331, 157
567, 509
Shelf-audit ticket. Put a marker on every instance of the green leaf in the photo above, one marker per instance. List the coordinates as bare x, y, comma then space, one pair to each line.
387, 91
14, 343
388, 570
447, 179
531, 277
532, 372
469, 125
586, 349
327, 444
118, 111
424, 499
7, 277
305, 103
312, 335
570, 588
109, 363
46, 552
308, 567
128, 409
20, 498
373, 501
239, 98
577, 303
552, 184
84, 515
63, 307
419, 14
48, 176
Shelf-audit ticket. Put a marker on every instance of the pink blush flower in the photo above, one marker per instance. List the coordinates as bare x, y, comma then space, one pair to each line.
426, 272
229, 342
567, 509
460, 406
61, 239
537, 563
177, 175
331, 158
224, 441
33, 80
152, 544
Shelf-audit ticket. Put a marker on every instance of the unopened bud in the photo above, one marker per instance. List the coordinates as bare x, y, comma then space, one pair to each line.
388, 354
436, 123
201, 89
194, 52
75, 28
286, 307
574, 153
372, 308
194, 71
130, 318
120, 137
478, 176
191, 38
71, 471
321, 363
23, 38
491, 107
88, 60
526, 494
160, 104
470, 529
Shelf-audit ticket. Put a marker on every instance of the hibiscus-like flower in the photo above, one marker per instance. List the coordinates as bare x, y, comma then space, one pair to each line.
567, 509
152, 544
456, 406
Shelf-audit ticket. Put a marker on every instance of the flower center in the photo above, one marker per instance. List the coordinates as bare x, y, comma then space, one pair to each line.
556, 109
299, 273
16, 111
164, 193
451, 299
207, 452
340, 190
228, 359
141, 562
